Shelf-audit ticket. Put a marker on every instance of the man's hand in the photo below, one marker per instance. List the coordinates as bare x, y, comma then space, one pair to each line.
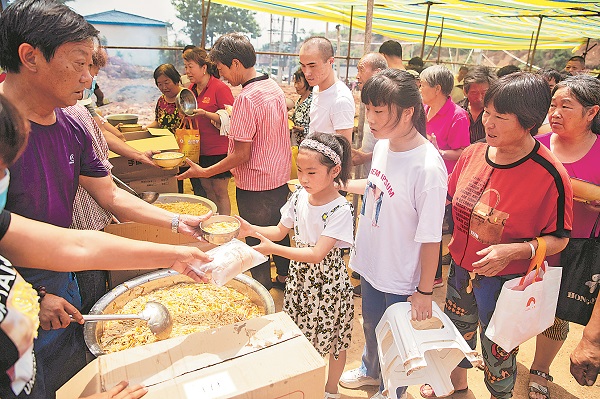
55, 313
195, 170
121, 391
187, 257
190, 225
585, 362
146, 157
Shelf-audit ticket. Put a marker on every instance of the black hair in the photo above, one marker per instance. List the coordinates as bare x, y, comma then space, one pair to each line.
188, 47
550, 73
14, 132
323, 44
44, 24
200, 57
523, 94
341, 146
439, 75
479, 74
99, 57
463, 67
233, 46
169, 71
586, 90
507, 70
299, 77
416, 61
578, 58
391, 47
394, 87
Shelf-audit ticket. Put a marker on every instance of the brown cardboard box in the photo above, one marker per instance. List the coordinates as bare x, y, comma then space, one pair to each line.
153, 139
146, 232
166, 182
262, 358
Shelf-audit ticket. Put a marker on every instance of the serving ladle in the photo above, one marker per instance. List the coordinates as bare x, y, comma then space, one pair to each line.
148, 196
155, 314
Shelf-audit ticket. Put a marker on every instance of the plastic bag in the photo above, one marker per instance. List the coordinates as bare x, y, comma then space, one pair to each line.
229, 260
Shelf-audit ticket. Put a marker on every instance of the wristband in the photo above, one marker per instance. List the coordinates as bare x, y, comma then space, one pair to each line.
423, 292
532, 250
41, 290
175, 223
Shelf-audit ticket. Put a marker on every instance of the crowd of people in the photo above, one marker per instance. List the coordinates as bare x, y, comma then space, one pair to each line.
430, 166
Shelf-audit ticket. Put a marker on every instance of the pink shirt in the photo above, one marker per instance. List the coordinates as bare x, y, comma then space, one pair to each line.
260, 117
588, 169
451, 128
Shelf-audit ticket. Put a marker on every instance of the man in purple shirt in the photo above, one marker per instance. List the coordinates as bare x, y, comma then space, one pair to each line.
46, 50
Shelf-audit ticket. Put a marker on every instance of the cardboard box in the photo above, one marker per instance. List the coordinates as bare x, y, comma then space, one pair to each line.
146, 232
154, 139
165, 182
262, 358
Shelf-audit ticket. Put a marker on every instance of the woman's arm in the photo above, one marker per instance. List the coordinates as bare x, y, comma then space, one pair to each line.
497, 257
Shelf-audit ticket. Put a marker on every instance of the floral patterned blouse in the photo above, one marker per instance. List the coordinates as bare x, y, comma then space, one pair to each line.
301, 117
167, 115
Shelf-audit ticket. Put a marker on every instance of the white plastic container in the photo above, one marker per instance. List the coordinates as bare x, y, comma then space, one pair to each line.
412, 357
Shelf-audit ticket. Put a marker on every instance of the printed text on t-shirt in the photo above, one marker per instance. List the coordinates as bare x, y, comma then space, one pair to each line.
384, 180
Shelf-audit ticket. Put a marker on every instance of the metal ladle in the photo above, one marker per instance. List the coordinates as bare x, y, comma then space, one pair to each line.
155, 314
148, 196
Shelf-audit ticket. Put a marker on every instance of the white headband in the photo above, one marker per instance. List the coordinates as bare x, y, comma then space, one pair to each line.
322, 148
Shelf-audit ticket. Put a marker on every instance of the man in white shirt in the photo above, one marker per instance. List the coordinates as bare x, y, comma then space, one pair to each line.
332, 108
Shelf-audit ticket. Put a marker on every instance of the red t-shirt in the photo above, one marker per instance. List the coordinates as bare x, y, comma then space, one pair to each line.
214, 97
500, 204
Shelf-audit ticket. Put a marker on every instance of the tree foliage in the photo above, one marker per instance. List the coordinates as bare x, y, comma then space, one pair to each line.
221, 19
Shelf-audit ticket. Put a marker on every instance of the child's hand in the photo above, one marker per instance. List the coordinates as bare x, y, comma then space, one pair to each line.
266, 246
246, 229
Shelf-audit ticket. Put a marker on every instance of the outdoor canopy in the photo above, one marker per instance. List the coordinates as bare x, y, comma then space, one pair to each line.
491, 25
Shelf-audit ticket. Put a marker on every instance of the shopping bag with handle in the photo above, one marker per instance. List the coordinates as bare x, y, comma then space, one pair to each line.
526, 305
188, 138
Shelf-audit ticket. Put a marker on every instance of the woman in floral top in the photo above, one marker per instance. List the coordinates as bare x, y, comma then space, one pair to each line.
167, 80
301, 115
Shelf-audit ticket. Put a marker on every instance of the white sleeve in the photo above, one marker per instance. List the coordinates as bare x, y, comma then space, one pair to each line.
342, 113
287, 213
340, 225
432, 187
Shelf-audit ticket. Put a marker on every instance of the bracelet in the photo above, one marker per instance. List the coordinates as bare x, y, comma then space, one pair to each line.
532, 250
423, 292
41, 290
175, 223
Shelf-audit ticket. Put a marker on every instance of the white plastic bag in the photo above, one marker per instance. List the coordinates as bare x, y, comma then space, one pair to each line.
229, 260
526, 305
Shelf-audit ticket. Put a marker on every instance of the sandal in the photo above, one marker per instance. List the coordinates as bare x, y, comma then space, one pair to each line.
278, 283
433, 395
534, 387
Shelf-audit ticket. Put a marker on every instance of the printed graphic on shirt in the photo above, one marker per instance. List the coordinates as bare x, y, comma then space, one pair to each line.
206, 100
377, 185
8, 277
477, 212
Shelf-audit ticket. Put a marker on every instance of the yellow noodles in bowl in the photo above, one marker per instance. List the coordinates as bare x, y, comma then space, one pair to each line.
193, 307
188, 208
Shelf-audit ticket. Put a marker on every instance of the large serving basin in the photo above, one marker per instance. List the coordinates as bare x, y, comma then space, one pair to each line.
175, 197
123, 293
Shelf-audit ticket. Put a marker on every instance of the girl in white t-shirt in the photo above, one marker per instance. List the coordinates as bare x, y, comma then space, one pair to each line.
400, 226
318, 293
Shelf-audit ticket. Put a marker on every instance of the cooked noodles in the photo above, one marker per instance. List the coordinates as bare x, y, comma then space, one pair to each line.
221, 227
188, 208
193, 307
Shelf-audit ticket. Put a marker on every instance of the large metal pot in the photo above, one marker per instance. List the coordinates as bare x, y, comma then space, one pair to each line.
123, 293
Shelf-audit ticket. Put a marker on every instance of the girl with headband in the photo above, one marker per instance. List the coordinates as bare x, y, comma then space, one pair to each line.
400, 225
318, 293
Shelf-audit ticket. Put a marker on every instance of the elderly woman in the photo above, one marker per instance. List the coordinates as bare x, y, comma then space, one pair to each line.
575, 121
447, 123
486, 252
167, 80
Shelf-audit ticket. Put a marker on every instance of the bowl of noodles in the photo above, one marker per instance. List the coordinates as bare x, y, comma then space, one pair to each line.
220, 229
187, 204
168, 160
193, 307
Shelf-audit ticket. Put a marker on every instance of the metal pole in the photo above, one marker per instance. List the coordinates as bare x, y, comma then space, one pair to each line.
429, 3
349, 43
280, 60
529, 51
366, 48
440, 36
536, 41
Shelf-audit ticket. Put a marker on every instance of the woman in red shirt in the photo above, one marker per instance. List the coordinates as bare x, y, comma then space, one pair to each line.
212, 95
